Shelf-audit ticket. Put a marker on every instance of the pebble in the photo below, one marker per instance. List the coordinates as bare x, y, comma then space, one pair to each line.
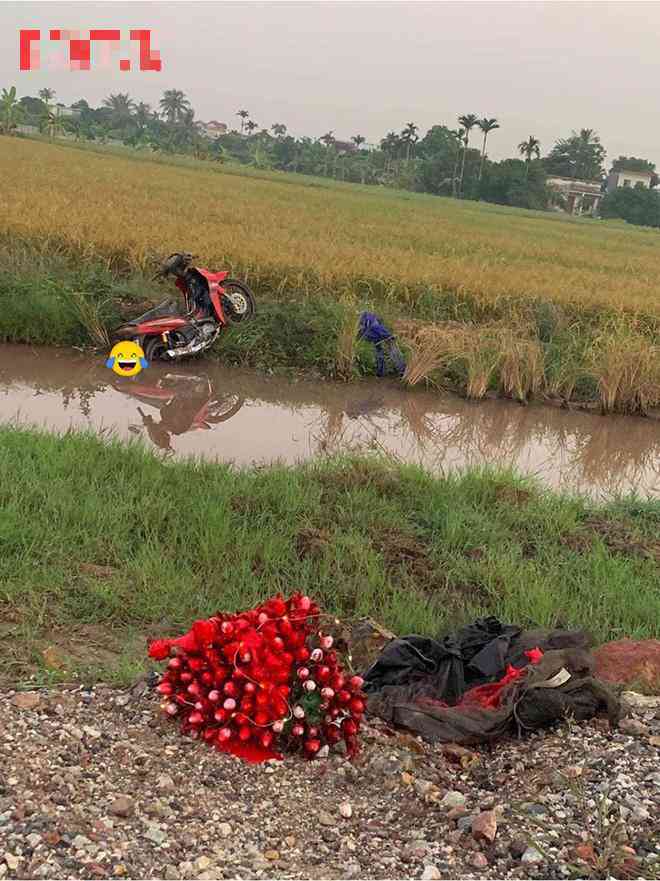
165, 783
532, 855
464, 824
26, 700
484, 826
12, 862
199, 805
453, 799
478, 861
155, 833
272, 855
518, 847
80, 842
94, 733
633, 727
535, 810
122, 806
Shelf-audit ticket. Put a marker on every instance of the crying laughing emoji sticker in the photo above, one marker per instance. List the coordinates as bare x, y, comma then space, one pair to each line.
126, 359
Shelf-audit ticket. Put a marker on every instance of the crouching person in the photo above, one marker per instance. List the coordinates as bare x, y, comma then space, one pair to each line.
372, 330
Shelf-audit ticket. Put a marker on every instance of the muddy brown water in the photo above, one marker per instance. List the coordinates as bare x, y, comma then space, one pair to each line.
200, 408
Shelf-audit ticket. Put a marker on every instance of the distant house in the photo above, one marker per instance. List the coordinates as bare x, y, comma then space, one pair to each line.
578, 196
62, 110
214, 128
345, 146
633, 179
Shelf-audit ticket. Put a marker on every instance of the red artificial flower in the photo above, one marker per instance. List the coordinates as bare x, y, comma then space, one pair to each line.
159, 649
205, 632
534, 655
237, 677
187, 642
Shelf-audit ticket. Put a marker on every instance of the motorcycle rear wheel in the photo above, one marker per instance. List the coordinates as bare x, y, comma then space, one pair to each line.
238, 301
155, 350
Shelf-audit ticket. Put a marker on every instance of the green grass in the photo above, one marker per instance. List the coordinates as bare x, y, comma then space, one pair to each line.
364, 537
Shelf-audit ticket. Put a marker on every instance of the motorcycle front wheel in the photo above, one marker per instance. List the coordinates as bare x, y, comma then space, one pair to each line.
238, 301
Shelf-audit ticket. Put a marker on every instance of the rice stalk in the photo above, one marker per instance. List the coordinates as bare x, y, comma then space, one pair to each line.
430, 348
626, 367
89, 312
521, 363
346, 343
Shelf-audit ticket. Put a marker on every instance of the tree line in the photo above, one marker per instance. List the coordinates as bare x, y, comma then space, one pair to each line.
444, 161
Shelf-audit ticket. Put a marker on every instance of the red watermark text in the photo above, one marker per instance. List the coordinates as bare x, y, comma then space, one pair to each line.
78, 52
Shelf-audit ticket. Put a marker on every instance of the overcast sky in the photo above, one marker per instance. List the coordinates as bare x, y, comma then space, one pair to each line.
541, 68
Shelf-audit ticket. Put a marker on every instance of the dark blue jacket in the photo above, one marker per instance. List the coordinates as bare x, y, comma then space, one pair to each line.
372, 329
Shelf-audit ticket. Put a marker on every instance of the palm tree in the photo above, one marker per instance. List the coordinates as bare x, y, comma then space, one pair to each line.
390, 146
250, 125
468, 121
244, 114
174, 104
409, 138
52, 123
358, 140
278, 129
122, 106
328, 139
459, 134
143, 115
529, 148
46, 95
486, 126
9, 110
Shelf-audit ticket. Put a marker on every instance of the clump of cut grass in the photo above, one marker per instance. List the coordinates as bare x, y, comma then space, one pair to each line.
626, 366
480, 353
430, 348
521, 364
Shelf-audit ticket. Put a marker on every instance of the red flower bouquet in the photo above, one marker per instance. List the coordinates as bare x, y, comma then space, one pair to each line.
261, 681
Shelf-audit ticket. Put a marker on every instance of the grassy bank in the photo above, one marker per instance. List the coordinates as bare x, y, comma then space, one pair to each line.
484, 298
176, 541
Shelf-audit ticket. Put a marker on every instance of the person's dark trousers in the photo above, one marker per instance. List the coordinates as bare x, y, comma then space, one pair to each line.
389, 347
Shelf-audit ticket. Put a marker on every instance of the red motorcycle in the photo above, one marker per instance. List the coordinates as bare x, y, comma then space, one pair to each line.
212, 301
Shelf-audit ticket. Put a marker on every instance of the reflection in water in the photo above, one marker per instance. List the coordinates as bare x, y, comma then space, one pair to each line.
185, 403
264, 419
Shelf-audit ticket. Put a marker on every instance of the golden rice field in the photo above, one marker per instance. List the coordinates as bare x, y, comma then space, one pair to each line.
483, 298
299, 235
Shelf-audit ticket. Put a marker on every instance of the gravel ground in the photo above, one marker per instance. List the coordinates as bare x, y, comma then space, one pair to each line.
96, 784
